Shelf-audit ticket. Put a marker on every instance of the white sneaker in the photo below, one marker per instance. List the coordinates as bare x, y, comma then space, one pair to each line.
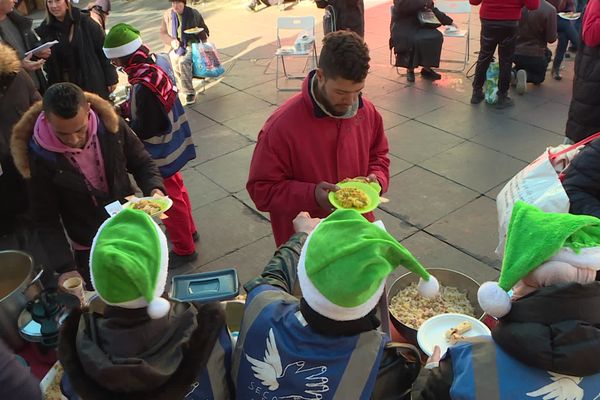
521, 81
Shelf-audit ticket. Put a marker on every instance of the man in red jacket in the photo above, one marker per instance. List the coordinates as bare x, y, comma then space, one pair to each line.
319, 137
499, 22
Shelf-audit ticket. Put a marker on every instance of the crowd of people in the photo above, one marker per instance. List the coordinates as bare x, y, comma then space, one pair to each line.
66, 154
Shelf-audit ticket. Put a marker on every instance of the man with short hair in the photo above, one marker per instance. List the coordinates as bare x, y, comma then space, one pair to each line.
76, 153
319, 137
175, 22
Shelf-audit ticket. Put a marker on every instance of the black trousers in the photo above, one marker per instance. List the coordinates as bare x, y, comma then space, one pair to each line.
534, 66
501, 34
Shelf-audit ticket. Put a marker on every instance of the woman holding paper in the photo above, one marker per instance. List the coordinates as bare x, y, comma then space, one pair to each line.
78, 56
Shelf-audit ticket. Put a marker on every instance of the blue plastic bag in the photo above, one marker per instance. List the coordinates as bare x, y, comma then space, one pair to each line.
205, 60
491, 83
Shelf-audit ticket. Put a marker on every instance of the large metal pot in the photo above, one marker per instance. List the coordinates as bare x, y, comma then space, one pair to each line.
446, 277
17, 287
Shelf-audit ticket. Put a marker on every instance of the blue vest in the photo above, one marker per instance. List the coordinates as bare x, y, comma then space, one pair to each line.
278, 356
483, 371
171, 151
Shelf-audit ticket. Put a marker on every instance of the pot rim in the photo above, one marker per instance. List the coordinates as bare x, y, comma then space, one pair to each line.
28, 277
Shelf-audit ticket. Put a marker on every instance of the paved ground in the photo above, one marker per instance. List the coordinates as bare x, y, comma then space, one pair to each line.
449, 159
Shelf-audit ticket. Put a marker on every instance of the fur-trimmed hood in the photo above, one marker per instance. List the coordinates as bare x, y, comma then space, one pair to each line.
23, 130
9, 61
195, 352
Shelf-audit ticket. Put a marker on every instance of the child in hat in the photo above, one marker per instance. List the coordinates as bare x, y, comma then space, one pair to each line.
326, 344
141, 346
546, 344
158, 118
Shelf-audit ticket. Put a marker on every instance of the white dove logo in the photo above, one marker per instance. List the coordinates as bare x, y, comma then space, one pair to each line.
563, 387
270, 370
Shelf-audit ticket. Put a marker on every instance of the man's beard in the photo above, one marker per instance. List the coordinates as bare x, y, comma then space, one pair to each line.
320, 94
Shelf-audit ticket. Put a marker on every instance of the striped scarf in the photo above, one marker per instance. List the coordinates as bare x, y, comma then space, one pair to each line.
142, 69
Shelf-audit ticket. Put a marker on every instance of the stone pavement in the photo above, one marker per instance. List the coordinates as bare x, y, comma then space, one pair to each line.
449, 158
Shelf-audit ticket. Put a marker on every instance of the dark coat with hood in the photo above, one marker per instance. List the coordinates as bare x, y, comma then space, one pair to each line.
125, 355
92, 71
17, 94
349, 14
24, 25
582, 181
58, 189
556, 328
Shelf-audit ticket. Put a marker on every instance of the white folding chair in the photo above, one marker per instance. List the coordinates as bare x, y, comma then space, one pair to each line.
457, 7
297, 24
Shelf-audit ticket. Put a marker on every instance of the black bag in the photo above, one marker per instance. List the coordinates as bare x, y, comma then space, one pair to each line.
427, 19
399, 368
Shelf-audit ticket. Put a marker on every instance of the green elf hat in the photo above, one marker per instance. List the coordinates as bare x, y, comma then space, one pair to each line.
344, 264
533, 238
122, 40
128, 263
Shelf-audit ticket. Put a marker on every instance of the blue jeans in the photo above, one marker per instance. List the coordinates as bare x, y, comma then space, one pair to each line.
566, 33
579, 7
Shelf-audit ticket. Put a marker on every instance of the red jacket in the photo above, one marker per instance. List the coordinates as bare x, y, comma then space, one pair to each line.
299, 146
504, 10
591, 24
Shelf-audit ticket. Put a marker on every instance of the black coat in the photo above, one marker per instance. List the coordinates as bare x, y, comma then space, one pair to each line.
582, 181
584, 114
94, 72
58, 190
349, 14
30, 40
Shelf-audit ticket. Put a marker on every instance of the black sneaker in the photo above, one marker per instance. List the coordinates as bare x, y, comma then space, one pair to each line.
504, 102
430, 74
177, 261
556, 74
477, 96
410, 76
190, 99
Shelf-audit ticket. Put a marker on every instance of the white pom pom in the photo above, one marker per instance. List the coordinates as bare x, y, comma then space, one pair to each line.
158, 308
493, 299
429, 288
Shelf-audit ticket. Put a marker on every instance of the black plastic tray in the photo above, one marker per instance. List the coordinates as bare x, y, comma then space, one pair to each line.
205, 287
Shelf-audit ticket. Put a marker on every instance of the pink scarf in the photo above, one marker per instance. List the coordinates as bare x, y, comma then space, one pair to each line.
88, 161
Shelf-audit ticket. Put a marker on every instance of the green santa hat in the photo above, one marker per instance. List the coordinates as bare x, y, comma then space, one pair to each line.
128, 263
344, 264
534, 238
122, 40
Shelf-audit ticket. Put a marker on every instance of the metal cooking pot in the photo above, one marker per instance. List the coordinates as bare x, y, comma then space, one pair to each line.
16, 288
446, 277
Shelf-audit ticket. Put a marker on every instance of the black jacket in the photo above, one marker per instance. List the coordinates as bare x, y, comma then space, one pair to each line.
24, 25
349, 14
582, 181
93, 71
556, 328
16, 382
58, 190
584, 118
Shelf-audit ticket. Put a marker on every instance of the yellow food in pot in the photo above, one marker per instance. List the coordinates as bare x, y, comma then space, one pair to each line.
352, 198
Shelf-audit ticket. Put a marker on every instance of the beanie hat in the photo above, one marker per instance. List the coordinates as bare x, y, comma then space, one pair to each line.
533, 238
128, 263
122, 40
104, 5
344, 264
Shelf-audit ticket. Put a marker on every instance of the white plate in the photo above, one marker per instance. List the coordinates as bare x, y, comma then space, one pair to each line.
569, 16
193, 31
165, 202
433, 331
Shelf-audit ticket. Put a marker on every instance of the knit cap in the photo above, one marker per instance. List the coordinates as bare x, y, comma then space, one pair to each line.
344, 264
128, 263
122, 40
534, 238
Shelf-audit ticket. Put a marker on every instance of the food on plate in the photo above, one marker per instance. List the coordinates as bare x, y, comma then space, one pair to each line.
412, 309
569, 15
455, 334
357, 179
350, 197
148, 206
53, 392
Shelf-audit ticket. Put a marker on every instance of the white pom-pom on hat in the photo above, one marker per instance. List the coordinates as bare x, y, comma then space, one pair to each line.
429, 288
493, 299
158, 308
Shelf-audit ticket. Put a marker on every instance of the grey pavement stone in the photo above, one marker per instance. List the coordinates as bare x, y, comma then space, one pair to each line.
214, 90
200, 189
398, 165
395, 226
251, 124
458, 164
415, 142
216, 141
221, 170
421, 197
492, 194
390, 119
410, 102
232, 106
267, 92
244, 197
378, 86
550, 116
198, 121
244, 74
472, 229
